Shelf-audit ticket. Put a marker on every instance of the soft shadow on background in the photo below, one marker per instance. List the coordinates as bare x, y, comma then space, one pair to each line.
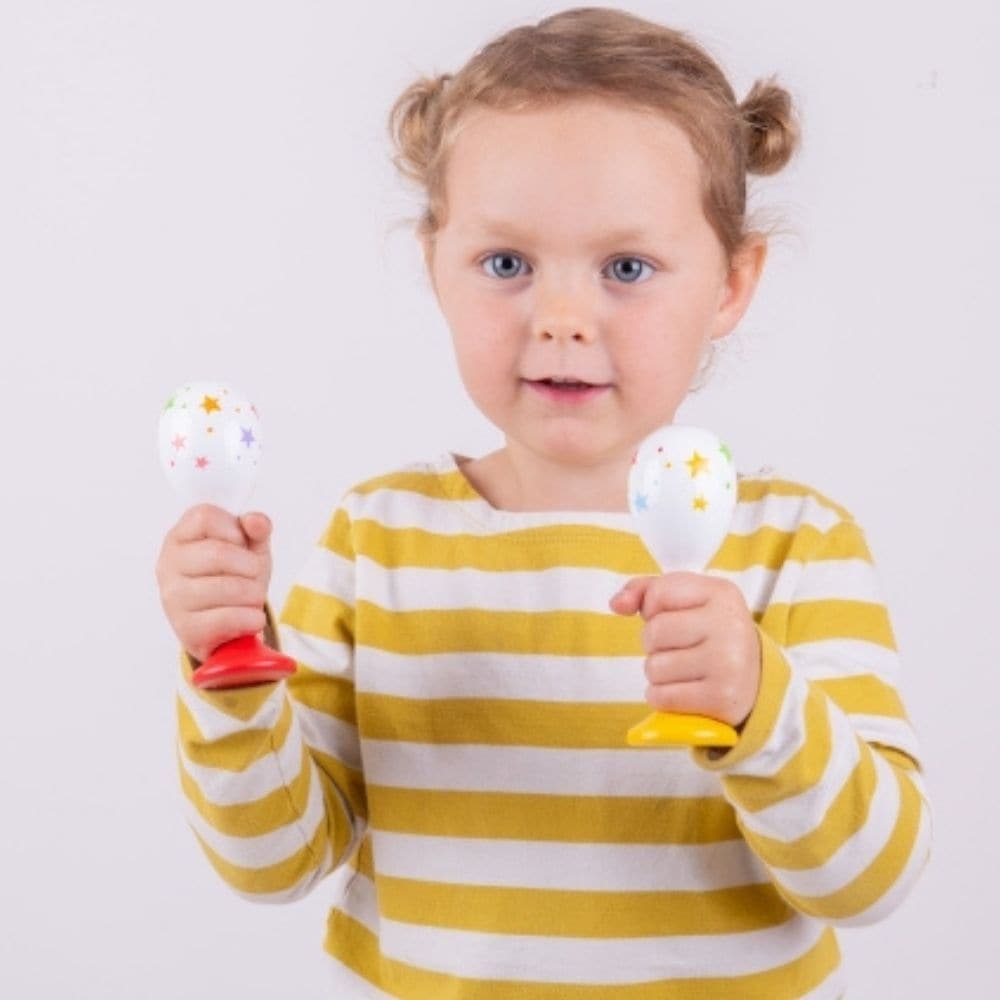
193, 190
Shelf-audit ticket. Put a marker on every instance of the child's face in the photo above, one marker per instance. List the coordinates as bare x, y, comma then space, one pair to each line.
575, 246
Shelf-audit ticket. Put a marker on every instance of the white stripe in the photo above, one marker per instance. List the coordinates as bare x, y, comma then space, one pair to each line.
834, 579
268, 848
329, 573
501, 675
324, 656
577, 588
329, 735
600, 961
223, 787
826, 658
886, 731
583, 867
537, 770
859, 850
414, 588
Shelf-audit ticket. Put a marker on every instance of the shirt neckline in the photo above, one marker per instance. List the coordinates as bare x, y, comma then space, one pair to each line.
457, 485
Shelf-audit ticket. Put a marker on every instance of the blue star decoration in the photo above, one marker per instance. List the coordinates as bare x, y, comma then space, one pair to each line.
639, 502
248, 438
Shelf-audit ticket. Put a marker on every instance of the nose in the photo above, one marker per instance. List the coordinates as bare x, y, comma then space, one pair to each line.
563, 312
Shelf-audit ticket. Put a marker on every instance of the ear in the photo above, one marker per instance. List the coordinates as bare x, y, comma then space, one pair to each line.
739, 285
427, 246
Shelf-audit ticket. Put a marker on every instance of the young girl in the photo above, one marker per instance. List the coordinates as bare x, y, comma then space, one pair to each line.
475, 636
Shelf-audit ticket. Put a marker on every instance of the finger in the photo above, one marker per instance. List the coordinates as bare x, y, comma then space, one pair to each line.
210, 629
628, 600
675, 630
675, 592
208, 521
686, 697
257, 527
204, 593
673, 667
211, 557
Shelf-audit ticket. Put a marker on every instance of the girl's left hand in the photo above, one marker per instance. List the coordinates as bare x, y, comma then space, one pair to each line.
702, 646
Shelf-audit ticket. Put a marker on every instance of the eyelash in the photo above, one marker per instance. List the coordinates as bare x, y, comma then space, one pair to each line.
484, 263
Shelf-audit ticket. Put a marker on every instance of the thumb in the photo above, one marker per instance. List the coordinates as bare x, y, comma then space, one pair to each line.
257, 527
629, 599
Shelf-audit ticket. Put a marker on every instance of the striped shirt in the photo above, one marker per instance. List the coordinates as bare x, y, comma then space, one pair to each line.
452, 746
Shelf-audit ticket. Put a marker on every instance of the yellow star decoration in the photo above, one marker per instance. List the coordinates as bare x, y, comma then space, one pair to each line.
208, 404
697, 463
699, 503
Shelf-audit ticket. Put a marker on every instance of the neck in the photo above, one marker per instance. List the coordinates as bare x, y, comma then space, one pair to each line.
516, 479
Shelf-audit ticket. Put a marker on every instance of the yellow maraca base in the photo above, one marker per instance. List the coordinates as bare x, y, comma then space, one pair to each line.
671, 729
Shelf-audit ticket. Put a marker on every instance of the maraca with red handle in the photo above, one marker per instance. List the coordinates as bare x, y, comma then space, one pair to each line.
210, 446
682, 494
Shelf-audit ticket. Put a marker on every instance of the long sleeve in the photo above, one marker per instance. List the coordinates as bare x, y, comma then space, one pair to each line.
271, 773
825, 780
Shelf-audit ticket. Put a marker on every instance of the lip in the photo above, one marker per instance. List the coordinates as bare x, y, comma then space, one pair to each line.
572, 396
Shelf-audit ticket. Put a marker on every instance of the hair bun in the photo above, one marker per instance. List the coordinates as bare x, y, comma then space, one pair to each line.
415, 125
772, 127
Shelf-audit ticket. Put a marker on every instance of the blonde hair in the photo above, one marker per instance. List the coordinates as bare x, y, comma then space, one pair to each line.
611, 54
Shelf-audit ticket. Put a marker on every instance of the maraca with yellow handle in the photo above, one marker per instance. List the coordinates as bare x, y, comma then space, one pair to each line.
210, 447
682, 494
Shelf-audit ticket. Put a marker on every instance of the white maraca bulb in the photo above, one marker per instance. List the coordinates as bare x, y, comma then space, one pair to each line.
210, 445
682, 492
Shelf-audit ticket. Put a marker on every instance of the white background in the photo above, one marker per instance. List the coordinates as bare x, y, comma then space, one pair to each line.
202, 189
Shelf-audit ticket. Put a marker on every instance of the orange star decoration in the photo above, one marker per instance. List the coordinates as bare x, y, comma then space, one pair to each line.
697, 463
209, 405
699, 503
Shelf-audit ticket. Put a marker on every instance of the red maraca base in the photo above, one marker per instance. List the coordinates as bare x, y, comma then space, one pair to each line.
243, 662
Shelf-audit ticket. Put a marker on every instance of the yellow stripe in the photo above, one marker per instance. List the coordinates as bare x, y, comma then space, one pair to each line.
863, 694
316, 613
337, 535
811, 621
569, 818
801, 772
545, 547
237, 751
498, 722
847, 814
258, 816
467, 630
439, 486
332, 696
357, 948
567, 913
879, 877
348, 779
757, 489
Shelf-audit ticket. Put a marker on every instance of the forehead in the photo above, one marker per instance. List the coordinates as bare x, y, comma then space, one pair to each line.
582, 160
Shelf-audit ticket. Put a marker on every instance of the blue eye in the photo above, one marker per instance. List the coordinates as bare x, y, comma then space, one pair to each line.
629, 269
504, 265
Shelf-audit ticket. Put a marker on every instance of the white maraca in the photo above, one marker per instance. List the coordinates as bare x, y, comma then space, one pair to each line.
682, 492
210, 445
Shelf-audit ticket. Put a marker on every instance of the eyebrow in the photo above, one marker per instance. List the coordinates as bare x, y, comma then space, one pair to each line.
502, 228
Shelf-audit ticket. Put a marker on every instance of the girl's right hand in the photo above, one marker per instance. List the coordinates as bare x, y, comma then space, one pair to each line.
213, 571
